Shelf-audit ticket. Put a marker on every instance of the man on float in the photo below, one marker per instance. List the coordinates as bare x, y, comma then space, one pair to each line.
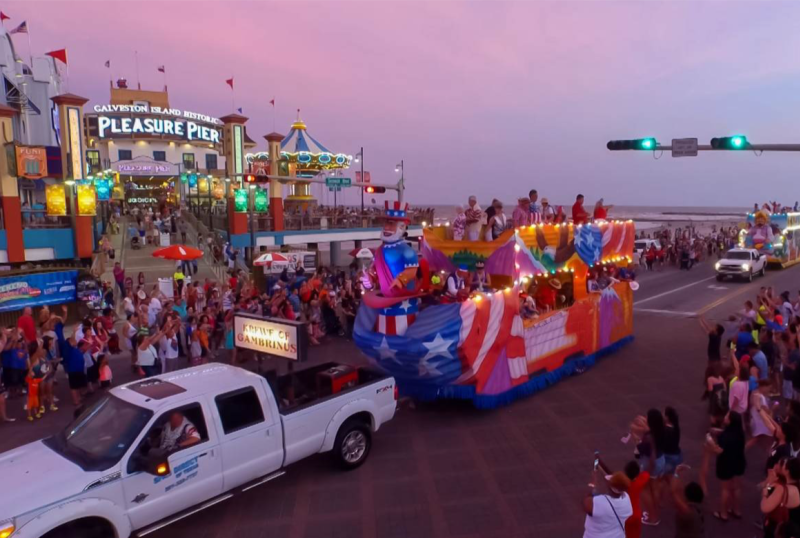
456, 285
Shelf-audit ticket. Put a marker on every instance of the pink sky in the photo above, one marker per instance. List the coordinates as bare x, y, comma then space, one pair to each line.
490, 98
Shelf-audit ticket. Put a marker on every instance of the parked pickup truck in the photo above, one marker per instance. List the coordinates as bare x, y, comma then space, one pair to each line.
741, 262
155, 451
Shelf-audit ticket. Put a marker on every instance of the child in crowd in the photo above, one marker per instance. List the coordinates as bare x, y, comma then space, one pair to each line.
37, 369
106, 375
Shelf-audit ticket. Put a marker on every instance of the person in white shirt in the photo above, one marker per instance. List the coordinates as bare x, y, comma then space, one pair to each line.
153, 308
606, 513
178, 433
168, 351
474, 216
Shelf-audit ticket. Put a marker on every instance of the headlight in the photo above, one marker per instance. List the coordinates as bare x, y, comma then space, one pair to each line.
717, 266
7, 528
746, 266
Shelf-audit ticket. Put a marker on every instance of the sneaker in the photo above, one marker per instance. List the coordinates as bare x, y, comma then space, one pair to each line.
41, 410
10, 420
38, 415
30, 419
53, 408
625, 439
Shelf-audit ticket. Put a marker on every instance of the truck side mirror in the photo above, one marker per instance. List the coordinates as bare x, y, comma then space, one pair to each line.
156, 463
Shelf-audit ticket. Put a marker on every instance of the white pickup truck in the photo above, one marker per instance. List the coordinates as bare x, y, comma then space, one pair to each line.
741, 262
158, 450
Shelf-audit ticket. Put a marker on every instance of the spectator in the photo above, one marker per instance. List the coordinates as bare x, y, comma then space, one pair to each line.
601, 211
27, 325
606, 513
119, 278
731, 464
498, 222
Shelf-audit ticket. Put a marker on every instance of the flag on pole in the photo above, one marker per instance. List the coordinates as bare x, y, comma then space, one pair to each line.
4, 17
162, 69
229, 82
240, 111
21, 29
108, 64
60, 54
272, 102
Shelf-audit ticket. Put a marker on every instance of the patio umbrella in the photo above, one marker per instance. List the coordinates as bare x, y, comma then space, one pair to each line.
362, 253
178, 252
269, 258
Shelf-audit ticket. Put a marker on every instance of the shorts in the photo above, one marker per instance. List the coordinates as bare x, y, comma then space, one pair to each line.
658, 468
671, 462
77, 380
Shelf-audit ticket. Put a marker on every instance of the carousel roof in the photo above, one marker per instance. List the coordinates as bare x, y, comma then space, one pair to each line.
298, 140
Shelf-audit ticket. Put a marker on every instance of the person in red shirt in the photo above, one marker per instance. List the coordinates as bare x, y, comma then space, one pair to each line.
639, 480
27, 325
579, 214
601, 211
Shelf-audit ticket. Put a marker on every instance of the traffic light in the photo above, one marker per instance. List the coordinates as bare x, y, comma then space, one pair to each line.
250, 178
730, 142
642, 144
374, 190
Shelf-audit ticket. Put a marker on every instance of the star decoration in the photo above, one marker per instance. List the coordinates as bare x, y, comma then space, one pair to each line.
405, 305
384, 351
439, 346
426, 368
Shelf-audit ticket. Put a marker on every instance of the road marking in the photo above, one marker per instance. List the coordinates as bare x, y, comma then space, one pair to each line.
715, 287
667, 312
672, 291
724, 299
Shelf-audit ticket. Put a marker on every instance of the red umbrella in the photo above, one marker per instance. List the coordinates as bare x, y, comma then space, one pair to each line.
269, 258
178, 252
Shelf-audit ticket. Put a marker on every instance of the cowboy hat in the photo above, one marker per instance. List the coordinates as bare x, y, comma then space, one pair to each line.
554, 282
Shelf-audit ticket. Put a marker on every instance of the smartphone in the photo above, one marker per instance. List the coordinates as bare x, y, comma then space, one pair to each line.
596, 459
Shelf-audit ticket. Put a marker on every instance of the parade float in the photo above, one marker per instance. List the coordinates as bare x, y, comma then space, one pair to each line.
483, 348
774, 235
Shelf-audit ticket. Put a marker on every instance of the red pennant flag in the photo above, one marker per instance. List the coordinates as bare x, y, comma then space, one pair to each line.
272, 102
4, 17
229, 82
60, 55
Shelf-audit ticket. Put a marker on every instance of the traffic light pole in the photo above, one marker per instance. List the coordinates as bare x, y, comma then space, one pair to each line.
751, 147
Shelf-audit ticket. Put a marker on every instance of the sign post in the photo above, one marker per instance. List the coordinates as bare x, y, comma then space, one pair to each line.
684, 147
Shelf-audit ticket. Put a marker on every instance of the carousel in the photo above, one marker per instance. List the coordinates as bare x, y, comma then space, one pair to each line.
302, 156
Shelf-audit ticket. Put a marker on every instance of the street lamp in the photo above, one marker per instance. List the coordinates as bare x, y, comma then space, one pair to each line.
400, 168
360, 159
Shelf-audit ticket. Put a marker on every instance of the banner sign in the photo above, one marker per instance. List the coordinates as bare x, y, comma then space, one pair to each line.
56, 200
31, 162
261, 201
272, 336
147, 168
17, 292
240, 200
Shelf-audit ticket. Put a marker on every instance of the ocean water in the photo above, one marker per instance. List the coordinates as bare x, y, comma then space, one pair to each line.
644, 216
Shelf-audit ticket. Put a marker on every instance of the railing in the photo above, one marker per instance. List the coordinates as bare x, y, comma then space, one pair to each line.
38, 218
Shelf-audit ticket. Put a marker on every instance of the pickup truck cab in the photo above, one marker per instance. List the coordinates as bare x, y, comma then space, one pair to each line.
154, 451
741, 262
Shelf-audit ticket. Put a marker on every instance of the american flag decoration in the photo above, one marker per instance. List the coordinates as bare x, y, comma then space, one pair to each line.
396, 211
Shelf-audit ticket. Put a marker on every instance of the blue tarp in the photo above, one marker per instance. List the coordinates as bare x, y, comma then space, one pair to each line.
17, 292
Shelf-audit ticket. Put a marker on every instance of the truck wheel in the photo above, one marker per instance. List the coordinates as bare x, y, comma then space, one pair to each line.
764, 271
750, 276
83, 528
352, 445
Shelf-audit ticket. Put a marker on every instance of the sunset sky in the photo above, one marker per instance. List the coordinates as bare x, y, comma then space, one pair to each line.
490, 98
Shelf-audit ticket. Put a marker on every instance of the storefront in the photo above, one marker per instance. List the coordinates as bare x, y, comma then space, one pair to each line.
160, 153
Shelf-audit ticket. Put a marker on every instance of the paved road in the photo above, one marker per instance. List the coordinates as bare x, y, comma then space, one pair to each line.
447, 470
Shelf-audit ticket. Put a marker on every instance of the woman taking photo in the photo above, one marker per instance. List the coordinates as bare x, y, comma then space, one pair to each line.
780, 496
